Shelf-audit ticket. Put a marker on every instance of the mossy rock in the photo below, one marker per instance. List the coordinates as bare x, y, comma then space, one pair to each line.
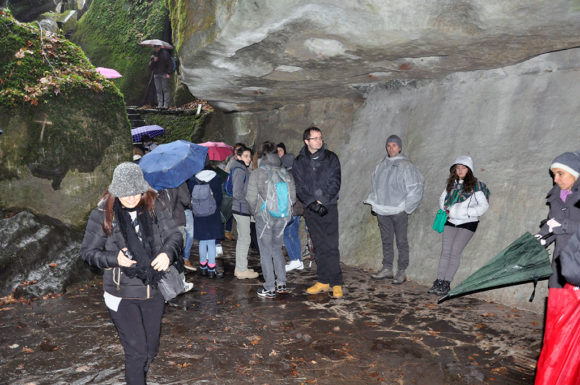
110, 32
65, 126
190, 127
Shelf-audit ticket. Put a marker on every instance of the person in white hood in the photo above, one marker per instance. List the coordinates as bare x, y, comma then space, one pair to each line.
396, 191
464, 199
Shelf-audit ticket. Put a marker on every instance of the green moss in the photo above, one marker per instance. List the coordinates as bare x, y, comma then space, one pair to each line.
189, 18
109, 33
36, 68
185, 127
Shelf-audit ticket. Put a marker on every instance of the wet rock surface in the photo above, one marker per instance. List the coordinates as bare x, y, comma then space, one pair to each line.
38, 256
223, 333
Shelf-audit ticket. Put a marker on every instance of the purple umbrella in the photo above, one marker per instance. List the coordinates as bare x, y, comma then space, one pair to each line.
150, 131
109, 73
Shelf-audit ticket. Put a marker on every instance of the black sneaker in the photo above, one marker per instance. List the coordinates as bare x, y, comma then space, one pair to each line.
436, 287
266, 293
281, 289
444, 288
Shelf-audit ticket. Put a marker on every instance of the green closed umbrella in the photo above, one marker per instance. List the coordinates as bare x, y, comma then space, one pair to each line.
525, 260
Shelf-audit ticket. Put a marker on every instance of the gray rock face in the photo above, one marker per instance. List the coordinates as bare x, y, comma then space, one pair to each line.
263, 54
38, 256
512, 121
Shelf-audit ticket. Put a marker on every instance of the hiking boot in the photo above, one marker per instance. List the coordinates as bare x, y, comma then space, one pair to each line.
203, 269
295, 264
318, 288
248, 274
400, 277
384, 273
214, 273
436, 285
337, 291
444, 288
219, 250
228, 235
266, 293
188, 265
281, 289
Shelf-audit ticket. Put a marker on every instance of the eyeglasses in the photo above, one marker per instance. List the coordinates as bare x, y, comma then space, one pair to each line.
316, 138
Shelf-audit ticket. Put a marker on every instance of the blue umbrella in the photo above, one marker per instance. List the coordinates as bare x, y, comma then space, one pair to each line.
151, 131
171, 164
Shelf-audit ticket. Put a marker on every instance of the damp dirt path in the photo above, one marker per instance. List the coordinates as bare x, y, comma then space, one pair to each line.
222, 333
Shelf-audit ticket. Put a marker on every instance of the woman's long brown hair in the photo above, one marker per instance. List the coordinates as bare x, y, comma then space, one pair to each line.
147, 202
468, 181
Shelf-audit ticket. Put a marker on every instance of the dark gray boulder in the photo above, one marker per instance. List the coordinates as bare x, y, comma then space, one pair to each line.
38, 255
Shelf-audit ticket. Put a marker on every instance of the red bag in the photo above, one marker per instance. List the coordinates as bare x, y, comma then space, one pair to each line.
559, 362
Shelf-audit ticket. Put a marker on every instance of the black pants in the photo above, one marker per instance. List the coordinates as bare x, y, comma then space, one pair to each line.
138, 323
324, 234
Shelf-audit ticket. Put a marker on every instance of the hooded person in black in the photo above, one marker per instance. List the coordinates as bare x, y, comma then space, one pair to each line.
316, 172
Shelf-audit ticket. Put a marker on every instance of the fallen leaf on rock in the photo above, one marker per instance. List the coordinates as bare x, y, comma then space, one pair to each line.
273, 353
84, 368
433, 332
13, 346
26, 349
501, 370
53, 265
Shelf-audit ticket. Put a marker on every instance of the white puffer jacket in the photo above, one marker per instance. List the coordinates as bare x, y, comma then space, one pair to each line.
467, 211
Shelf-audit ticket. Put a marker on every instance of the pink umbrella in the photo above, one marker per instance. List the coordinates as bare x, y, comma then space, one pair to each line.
218, 150
109, 73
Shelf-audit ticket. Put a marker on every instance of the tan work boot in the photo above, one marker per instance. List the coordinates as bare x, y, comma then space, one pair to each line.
337, 291
248, 274
318, 288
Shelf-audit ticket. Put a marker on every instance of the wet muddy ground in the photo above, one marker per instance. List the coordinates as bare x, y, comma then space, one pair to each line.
222, 333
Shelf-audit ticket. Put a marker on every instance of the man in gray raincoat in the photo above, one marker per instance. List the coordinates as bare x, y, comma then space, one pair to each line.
396, 191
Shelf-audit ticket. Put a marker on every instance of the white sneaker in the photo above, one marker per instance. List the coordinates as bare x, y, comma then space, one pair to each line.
295, 265
219, 250
188, 286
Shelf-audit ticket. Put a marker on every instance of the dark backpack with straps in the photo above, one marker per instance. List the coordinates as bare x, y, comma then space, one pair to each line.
203, 203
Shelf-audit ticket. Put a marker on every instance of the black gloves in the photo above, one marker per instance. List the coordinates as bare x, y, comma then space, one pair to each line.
318, 208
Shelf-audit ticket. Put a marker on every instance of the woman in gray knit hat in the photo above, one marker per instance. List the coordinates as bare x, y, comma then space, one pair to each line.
134, 239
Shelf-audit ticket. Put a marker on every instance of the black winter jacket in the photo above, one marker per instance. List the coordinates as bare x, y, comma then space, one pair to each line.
101, 251
317, 176
568, 215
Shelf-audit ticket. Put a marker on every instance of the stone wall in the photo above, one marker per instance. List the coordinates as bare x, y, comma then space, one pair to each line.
512, 121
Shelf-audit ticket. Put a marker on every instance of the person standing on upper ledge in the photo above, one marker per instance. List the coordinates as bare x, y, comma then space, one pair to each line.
396, 191
161, 66
316, 173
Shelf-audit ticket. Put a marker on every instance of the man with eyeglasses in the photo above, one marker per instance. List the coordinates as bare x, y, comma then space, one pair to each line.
316, 173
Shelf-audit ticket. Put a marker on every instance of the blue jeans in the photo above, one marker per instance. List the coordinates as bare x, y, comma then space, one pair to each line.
207, 252
188, 234
292, 239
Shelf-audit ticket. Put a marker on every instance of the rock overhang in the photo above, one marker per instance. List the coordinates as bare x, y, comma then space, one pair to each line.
266, 54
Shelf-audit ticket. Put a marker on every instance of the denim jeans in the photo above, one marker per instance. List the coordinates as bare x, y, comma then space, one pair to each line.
292, 239
207, 252
188, 234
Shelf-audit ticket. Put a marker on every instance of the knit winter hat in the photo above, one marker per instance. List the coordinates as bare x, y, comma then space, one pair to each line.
395, 139
568, 161
128, 180
464, 160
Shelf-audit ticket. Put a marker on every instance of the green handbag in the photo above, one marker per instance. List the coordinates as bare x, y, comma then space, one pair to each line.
441, 218
439, 222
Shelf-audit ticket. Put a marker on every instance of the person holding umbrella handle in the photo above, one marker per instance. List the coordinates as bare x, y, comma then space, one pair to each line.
161, 66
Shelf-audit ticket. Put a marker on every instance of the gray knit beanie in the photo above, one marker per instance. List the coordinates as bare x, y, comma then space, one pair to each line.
568, 161
395, 139
128, 180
